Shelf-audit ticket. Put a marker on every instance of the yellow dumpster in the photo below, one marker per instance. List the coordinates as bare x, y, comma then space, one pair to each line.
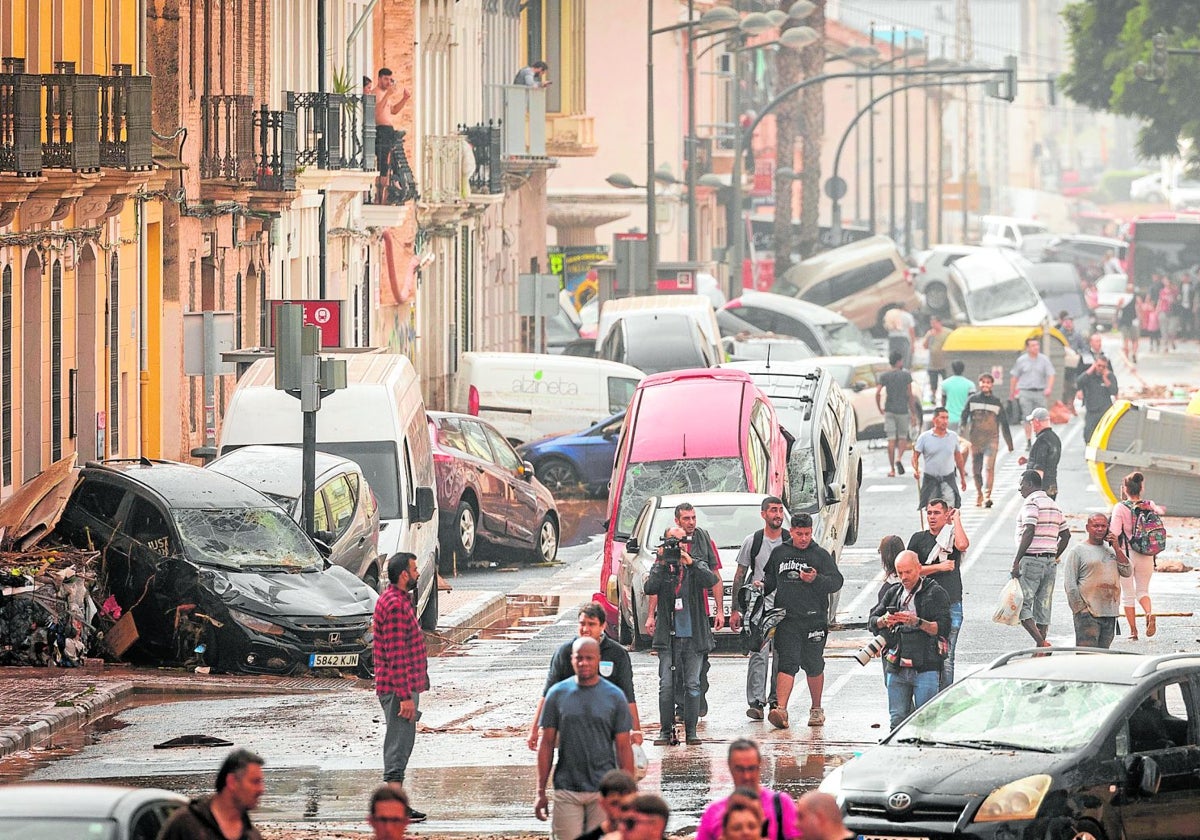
995, 350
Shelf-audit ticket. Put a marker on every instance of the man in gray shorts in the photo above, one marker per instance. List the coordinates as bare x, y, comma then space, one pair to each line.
943, 458
897, 409
1032, 380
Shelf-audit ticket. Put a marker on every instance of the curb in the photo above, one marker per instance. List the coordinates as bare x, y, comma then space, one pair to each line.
476, 612
42, 725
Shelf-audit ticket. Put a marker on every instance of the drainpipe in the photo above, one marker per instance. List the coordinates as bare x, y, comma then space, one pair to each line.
323, 246
358, 27
143, 277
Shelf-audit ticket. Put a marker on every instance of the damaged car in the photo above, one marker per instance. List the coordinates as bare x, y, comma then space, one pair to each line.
1061, 744
206, 571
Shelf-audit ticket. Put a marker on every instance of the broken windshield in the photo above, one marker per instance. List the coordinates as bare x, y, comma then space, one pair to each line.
1035, 715
246, 539
689, 475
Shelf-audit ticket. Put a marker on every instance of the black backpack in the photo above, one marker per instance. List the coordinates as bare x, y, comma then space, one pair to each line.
756, 546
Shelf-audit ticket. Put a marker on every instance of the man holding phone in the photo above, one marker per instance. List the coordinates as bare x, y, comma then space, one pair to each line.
803, 575
1092, 573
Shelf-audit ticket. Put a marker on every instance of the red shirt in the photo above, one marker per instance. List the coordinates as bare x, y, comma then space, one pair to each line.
401, 667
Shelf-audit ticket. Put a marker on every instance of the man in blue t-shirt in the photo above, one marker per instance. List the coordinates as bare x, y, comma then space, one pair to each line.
587, 719
955, 390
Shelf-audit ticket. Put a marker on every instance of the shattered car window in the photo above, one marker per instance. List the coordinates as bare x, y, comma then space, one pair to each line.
1006, 298
802, 480
1036, 715
728, 525
690, 475
248, 539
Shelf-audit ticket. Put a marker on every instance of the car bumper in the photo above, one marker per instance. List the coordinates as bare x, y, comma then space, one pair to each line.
250, 652
1012, 830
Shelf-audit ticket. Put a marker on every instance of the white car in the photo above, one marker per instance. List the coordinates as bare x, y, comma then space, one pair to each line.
1147, 188
858, 377
931, 277
1110, 295
727, 517
991, 289
1184, 194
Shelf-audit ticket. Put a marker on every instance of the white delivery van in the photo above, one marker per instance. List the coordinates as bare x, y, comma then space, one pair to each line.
377, 421
697, 307
528, 396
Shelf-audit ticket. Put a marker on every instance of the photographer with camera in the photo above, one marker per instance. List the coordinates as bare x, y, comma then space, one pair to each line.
680, 577
803, 576
913, 619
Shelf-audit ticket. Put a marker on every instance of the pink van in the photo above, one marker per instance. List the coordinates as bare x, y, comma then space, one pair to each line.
689, 431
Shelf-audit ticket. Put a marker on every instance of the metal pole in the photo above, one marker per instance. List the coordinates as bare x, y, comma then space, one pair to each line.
692, 244
871, 143
941, 168
907, 165
857, 156
735, 268
308, 472
966, 159
925, 174
651, 207
892, 150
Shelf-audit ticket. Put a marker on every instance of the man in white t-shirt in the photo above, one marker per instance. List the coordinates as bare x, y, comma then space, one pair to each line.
760, 692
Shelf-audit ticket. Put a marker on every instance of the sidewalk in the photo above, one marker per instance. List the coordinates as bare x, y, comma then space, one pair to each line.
43, 703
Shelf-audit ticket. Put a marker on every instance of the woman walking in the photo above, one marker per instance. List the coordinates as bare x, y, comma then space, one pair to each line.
1135, 589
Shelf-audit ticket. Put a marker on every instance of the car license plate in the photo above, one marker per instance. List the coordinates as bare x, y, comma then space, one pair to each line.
332, 660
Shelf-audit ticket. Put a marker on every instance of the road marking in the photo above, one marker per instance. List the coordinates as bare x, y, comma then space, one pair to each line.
886, 488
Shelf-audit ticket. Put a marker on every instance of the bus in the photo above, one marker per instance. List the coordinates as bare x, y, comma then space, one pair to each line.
1161, 243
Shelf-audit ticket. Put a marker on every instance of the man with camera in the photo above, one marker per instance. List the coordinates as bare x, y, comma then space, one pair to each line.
913, 620
940, 552
680, 577
752, 560
803, 576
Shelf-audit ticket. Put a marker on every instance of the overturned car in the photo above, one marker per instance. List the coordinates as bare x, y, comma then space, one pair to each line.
205, 571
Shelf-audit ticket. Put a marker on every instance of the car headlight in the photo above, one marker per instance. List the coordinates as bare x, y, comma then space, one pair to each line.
1019, 800
258, 625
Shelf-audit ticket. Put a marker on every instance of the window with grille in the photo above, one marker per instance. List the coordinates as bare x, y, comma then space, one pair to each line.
6, 386
114, 357
56, 401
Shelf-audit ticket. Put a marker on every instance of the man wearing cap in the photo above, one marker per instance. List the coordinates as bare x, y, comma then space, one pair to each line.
1032, 381
1045, 452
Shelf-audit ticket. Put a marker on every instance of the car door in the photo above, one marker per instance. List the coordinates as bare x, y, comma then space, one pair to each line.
484, 475
1162, 729
352, 546
598, 449
149, 551
521, 498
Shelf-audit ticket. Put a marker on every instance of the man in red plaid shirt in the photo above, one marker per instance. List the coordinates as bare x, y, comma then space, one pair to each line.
401, 668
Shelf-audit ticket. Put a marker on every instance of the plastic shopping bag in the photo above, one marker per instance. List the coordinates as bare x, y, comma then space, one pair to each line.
640, 761
1008, 611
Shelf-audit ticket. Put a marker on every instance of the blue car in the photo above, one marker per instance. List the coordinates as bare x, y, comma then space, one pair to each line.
577, 459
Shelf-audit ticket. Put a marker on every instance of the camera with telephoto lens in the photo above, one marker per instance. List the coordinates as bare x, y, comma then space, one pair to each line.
670, 552
870, 650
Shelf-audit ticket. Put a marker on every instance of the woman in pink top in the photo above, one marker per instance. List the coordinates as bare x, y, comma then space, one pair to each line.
1167, 320
1136, 589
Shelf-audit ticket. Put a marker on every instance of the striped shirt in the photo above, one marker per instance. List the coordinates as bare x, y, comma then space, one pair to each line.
1044, 514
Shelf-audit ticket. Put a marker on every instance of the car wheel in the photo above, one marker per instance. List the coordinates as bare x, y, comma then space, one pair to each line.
640, 640
557, 474
545, 549
936, 298
429, 615
852, 525
466, 531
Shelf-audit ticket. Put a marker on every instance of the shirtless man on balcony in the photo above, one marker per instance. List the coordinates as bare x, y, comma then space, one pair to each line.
387, 106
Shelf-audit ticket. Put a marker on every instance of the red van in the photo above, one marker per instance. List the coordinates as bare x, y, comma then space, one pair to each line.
689, 431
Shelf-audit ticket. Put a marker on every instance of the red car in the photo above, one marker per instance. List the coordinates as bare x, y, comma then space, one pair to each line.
486, 493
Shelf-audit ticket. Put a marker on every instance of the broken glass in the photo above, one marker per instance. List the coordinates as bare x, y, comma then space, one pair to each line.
246, 539
689, 475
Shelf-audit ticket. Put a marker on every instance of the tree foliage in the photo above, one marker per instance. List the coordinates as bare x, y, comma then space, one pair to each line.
1108, 38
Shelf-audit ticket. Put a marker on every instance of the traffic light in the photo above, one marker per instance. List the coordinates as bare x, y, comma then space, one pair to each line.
1158, 57
1004, 87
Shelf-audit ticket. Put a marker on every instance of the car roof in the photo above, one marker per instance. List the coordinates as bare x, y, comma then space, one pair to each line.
1088, 239
665, 397
710, 499
182, 486
823, 265
789, 306
1069, 664
276, 469
77, 800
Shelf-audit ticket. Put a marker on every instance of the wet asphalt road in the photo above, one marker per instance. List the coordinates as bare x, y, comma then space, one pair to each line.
471, 770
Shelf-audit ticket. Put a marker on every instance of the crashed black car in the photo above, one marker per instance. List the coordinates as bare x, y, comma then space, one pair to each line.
1074, 744
213, 572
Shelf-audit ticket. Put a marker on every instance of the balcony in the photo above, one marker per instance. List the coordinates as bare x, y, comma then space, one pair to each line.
487, 176
334, 131
520, 112
245, 149
445, 171
77, 122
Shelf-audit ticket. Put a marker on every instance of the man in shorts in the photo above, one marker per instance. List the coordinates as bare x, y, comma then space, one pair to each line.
898, 410
982, 423
1032, 382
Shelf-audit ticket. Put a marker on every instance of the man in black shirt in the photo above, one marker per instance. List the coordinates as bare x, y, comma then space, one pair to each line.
898, 410
803, 575
982, 423
940, 554
614, 667
1097, 388
1045, 452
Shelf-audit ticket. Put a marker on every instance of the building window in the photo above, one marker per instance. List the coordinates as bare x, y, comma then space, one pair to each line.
114, 357
554, 33
6, 387
56, 402
237, 318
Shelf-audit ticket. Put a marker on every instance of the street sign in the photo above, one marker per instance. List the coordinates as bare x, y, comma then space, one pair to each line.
323, 314
835, 187
680, 281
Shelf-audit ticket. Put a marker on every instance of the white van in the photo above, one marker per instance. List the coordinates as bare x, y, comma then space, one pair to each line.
377, 421
1009, 231
989, 288
528, 396
697, 307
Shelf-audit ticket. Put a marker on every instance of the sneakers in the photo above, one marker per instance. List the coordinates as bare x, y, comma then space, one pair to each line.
900, 467
754, 712
816, 716
778, 717
416, 816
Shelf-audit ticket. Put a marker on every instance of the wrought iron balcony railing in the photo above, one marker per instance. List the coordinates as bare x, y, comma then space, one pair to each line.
488, 174
275, 149
247, 146
334, 130
68, 120
445, 171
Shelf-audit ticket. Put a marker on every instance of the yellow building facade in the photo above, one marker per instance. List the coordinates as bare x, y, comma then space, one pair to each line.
80, 237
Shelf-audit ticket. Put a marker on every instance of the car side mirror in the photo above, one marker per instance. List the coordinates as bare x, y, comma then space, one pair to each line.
422, 511
831, 494
527, 471
632, 546
610, 435
324, 541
